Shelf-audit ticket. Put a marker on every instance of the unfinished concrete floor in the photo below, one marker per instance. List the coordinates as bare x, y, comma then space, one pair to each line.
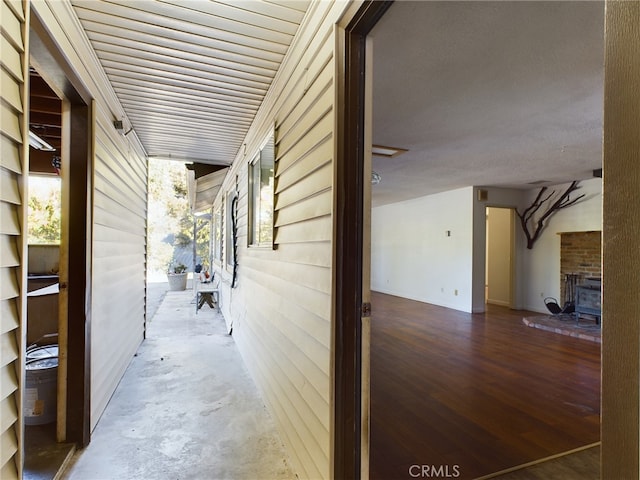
43, 456
186, 408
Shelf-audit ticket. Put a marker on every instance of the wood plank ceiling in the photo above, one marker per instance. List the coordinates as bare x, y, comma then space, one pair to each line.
45, 120
191, 75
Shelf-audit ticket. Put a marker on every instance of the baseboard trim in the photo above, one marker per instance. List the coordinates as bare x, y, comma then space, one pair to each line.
501, 303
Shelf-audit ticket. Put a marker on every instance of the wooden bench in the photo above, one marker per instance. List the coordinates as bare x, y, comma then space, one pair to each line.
206, 292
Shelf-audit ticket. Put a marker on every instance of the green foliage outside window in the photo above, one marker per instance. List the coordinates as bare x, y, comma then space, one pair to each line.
43, 218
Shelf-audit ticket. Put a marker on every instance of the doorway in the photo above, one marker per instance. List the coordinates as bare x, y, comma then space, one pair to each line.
500, 256
49, 427
459, 393
60, 122
44, 449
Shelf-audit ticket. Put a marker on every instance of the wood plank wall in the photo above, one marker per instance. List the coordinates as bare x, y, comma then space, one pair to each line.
119, 214
281, 310
12, 245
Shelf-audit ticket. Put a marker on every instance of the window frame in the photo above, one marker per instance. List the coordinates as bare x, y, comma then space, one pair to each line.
260, 212
217, 251
227, 247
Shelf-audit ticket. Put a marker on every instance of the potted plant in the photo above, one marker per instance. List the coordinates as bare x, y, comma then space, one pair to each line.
177, 276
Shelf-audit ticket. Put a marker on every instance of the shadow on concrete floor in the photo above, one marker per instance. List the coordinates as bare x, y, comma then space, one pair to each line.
155, 294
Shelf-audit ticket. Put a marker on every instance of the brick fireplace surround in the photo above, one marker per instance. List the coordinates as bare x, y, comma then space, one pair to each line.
580, 253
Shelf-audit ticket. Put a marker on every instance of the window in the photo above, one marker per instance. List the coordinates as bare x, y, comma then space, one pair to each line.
217, 234
231, 228
261, 196
44, 210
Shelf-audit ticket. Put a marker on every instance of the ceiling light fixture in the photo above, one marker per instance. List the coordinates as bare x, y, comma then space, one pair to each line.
39, 144
119, 126
389, 152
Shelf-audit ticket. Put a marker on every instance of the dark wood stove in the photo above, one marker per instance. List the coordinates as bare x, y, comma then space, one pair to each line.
589, 299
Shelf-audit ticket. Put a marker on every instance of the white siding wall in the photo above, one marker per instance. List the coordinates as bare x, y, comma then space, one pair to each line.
281, 308
119, 215
119, 245
12, 245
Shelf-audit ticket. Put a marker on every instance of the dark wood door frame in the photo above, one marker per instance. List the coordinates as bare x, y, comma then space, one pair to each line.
56, 70
349, 247
79, 271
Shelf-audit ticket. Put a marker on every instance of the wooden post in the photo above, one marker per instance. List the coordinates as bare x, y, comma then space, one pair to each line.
621, 238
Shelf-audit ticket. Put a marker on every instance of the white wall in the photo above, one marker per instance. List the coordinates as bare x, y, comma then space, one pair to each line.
542, 262
412, 256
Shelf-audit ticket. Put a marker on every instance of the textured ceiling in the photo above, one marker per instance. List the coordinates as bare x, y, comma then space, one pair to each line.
191, 74
487, 93
480, 93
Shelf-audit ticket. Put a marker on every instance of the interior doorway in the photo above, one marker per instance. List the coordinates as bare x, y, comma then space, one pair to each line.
464, 392
499, 272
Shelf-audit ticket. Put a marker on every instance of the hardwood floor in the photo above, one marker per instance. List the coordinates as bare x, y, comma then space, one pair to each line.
581, 465
468, 395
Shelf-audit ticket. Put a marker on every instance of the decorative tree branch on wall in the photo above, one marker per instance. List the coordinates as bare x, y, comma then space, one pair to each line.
533, 223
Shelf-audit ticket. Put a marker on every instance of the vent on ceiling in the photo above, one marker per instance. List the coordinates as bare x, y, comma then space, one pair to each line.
389, 152
538, 182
